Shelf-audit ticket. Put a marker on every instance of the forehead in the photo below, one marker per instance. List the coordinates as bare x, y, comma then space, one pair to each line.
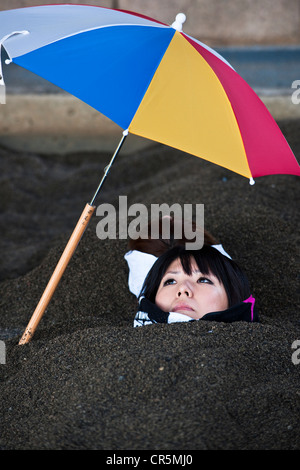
176, 266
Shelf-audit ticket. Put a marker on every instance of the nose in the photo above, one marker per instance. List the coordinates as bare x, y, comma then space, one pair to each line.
185, 289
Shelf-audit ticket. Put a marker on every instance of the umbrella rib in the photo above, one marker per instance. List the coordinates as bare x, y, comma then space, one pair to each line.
107, 168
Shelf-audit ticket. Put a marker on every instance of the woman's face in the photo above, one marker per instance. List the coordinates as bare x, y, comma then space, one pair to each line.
193, 295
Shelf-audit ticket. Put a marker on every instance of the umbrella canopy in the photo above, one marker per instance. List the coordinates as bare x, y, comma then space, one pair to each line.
151, 79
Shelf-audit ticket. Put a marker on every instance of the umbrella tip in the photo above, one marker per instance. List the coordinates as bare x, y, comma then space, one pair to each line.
180, 19
251, 181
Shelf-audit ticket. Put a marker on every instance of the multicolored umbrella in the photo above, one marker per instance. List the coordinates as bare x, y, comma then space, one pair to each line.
151, 79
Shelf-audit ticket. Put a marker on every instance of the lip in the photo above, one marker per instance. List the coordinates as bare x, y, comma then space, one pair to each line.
182, 307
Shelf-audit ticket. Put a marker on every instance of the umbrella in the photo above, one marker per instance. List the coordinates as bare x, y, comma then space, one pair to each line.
154, 81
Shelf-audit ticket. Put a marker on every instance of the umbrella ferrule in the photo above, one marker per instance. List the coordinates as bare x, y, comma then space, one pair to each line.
180, 19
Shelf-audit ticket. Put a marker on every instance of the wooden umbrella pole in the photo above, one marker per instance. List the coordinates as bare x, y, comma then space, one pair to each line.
67, 254
58, 272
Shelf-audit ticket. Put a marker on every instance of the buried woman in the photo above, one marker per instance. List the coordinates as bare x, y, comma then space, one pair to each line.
187, 285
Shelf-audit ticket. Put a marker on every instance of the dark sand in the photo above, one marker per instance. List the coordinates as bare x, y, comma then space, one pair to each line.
88, 380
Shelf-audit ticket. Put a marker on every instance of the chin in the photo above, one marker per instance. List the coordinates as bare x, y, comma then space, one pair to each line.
190, 313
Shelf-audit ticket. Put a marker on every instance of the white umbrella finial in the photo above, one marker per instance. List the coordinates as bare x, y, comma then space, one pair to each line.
180, 19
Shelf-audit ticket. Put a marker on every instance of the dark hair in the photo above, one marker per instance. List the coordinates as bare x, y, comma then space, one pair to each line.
159, 246
208, 260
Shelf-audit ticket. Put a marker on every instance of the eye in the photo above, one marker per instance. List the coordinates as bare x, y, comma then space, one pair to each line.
169, 282
204, 280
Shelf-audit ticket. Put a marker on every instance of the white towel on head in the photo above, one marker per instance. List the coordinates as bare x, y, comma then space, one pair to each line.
221, 250
139, 265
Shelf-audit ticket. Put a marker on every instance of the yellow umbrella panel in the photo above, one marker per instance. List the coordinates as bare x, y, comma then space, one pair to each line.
186, 107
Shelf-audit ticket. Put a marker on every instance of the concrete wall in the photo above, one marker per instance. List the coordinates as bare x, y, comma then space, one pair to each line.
216, 22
